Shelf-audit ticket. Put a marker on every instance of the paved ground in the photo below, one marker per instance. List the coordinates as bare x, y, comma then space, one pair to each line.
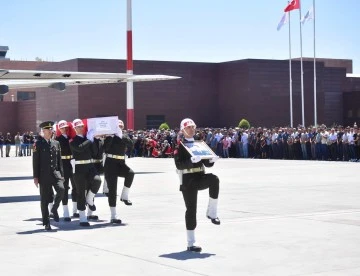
277, 218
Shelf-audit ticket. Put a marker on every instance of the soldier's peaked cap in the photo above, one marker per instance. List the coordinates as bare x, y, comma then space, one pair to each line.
46, 125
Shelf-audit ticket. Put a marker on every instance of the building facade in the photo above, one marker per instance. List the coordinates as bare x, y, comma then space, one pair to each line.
213, 94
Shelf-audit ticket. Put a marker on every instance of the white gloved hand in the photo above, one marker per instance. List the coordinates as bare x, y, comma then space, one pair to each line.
90, 135
195, 159
214, 159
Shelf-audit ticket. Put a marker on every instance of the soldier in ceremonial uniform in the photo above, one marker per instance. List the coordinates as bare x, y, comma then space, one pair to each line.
115, 149
66, 157
87, 179
192, 179
97, 159
115, 166
48, 172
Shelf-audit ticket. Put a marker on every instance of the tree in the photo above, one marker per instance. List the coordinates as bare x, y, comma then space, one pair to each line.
244, 124
164, 126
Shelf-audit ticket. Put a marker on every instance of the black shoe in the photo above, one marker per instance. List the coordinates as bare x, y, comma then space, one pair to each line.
194, 248
92, 217
92, 207
67, 219
48, 227
55, 214
117, 221
214, 220
84, 224
126, 201
107, 194
76, 215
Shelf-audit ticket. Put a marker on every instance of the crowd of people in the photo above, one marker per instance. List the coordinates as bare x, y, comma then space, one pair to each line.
23, 143
312, 143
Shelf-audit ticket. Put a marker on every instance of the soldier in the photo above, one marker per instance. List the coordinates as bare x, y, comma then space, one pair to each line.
48, 172
115, 148
97, 159
86, 177
192, 179
66, 157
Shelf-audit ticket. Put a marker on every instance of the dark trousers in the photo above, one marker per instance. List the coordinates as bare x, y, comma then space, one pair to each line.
46, 196
1, 150
112, 177
68, 176
192, 183
85, 181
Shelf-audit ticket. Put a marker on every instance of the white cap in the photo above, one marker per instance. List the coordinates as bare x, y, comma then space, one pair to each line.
78, 122
186, 122
63, 124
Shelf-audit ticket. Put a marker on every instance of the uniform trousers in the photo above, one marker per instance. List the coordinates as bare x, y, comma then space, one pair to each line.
68, 176
111, 176
46, 195
85, 181
192, 183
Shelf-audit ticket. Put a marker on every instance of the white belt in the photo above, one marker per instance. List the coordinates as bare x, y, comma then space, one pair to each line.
194, 170
66, 157
78, 162
121, 157
97, 160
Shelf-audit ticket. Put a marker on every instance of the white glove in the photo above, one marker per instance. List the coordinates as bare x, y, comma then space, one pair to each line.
195, 159
214, 159
90, 135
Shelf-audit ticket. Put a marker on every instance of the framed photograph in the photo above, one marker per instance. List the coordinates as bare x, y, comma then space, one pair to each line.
103, 125
199, 148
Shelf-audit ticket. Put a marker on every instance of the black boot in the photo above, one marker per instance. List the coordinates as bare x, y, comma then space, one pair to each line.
116, 221
55, 214
214, 220
194, 249
47, 226
126, 201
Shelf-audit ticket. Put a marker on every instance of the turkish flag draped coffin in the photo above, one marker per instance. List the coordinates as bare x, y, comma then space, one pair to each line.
71, 133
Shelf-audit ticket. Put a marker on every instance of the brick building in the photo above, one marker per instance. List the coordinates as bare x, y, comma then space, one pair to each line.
213, 94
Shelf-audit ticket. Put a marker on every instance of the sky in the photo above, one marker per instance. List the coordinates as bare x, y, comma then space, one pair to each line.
177, 30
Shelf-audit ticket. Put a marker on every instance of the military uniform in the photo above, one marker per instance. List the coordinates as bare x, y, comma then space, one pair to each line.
66, 157
86, 177
115, 166
192, 179
48, 169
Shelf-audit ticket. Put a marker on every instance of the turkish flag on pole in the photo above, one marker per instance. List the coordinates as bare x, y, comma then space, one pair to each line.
294, 5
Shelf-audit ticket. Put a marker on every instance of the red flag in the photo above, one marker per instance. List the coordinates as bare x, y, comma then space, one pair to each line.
294, 5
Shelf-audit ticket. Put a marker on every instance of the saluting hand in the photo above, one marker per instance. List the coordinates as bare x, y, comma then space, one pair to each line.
36, 182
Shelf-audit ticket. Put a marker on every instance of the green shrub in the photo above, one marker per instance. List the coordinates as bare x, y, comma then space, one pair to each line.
244, 124
164, 126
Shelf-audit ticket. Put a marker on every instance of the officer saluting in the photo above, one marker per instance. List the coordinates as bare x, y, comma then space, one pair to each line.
48, 172
193, 178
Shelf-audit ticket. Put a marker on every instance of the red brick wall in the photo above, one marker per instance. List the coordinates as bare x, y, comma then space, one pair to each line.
8, 117
26, 116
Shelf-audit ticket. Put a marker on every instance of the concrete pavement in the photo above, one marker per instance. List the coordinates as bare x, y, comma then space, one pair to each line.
277, 218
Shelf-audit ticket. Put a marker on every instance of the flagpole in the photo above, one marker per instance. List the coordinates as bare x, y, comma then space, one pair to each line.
302, 72
315, 105
290, 76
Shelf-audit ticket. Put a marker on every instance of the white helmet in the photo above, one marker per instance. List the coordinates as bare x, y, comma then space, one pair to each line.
186, 122
78, 122
63, 124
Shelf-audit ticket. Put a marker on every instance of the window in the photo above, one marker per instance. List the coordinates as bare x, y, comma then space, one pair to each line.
358, 113
350, 113
25, 96
154, 121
